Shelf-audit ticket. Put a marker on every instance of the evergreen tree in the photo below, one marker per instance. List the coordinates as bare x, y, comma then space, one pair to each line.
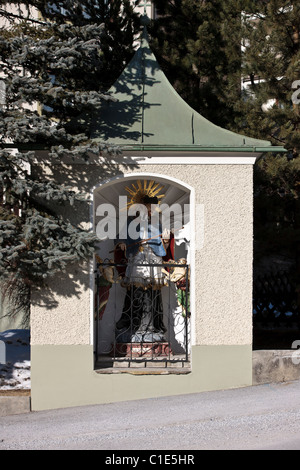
272, 64
209, 50
198, 44
56, 69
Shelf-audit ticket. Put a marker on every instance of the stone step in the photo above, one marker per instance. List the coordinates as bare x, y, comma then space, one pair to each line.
13, 404
144, 370
176, 364
150, 364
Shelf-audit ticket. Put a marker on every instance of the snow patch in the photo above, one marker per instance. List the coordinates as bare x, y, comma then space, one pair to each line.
15, 373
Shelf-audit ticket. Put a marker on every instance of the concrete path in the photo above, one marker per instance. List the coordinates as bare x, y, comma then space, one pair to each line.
259, 417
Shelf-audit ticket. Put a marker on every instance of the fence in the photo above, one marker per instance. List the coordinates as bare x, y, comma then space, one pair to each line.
275, 300
145, 320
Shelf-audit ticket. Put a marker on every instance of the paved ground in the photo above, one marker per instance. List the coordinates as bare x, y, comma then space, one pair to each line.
259, 417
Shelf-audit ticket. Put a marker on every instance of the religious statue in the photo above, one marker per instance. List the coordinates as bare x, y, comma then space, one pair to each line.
142, 315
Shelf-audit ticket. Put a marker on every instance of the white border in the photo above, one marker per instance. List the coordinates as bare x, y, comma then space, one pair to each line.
182, 158
191, 160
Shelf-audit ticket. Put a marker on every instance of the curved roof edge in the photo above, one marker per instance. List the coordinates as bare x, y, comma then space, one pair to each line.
148, 114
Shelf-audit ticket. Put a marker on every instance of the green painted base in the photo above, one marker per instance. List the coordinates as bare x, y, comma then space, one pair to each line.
64, 376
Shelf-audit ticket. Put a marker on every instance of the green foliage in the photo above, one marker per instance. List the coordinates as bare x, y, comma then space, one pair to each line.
198, 46
56, 68
67, 58
272, 63
210, 51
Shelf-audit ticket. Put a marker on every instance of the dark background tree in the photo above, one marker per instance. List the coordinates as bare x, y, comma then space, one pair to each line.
272, 62
198, 44
235, 62
208, 50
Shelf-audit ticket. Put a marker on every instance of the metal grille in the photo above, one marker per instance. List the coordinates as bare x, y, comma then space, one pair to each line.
138, 324
275, 300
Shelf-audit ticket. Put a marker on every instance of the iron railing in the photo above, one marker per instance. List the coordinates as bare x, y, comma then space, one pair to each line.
164, 314
275, 300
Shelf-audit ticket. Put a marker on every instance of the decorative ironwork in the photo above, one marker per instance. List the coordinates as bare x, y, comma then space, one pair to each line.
275, 300
138, 323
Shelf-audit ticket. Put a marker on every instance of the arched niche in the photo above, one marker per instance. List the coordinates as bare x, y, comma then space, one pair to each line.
177, 197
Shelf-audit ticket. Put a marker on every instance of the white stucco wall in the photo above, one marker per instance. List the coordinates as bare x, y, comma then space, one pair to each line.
222, 267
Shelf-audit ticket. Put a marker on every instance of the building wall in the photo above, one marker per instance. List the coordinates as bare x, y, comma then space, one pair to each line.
225, 191
61, 329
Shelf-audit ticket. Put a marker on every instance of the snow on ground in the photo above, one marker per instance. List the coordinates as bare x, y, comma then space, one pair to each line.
15, 372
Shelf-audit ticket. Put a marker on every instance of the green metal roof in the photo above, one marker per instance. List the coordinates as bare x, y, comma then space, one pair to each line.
148, 114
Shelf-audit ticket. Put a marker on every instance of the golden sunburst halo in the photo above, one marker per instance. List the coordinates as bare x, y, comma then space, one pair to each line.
140, 189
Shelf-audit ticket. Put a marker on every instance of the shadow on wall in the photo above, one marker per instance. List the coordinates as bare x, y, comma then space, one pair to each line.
122, 121
69, 284
80, 177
